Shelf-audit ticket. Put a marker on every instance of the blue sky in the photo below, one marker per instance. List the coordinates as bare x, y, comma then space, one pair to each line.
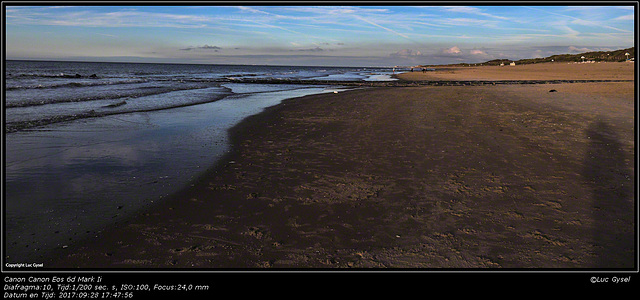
313, 35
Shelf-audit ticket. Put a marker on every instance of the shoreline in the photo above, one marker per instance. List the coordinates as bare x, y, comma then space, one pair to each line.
446, 76
34, 124
171, 158
480, 177
541, 71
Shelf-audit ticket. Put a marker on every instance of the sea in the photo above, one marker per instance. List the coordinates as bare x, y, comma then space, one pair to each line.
88, 144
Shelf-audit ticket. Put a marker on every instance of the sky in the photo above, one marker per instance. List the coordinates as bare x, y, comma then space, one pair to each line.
313, 35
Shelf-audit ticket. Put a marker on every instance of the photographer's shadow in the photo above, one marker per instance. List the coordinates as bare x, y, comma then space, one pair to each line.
608, 172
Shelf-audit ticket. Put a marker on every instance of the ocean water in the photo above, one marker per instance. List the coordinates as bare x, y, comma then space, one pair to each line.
88, 144
38, 93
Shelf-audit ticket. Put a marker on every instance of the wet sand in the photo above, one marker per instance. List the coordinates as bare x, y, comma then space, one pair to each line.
431, 177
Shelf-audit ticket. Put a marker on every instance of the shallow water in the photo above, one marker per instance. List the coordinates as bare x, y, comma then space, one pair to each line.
88, 151
66, 181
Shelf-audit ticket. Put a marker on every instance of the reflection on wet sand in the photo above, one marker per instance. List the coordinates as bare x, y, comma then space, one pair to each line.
72, 179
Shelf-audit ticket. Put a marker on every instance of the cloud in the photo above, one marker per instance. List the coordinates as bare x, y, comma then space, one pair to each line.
470, 22
316, 49
253, 10
204, 47
479, 33
581, 21
210, 47
579, 50
104, 34
431, 24
406, 53
332, 10
90, 18
452, 50
625, 18
385, 28
472, 10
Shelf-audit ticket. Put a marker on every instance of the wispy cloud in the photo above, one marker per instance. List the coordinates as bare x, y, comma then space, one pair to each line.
430, 24
473, 10
321, 32
470, 22
625, 18
580, 21
253, 10
405, 36
380, 26
124, 18
109, 35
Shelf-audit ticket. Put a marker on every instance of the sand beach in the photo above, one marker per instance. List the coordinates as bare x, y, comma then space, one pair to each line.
517, 176
540, 71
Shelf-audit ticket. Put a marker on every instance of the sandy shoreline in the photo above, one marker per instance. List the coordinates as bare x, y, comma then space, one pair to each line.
511, 176
544, 71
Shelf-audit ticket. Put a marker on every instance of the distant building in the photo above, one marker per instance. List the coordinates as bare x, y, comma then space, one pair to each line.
513, 63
